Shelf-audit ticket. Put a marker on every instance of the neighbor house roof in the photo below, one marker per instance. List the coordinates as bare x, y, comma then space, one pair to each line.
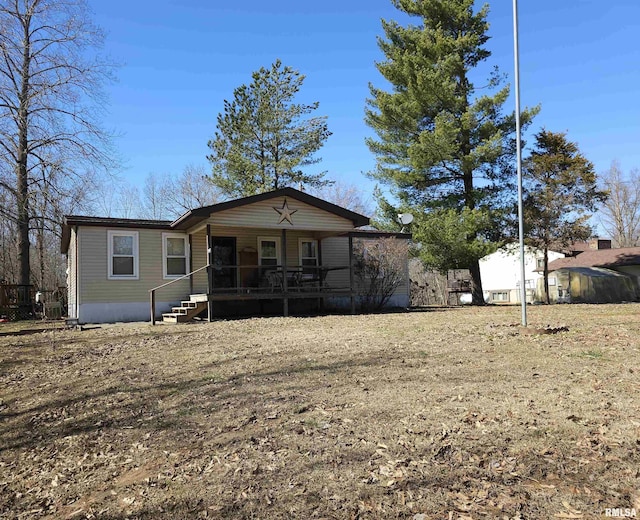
623, 256
596, 272
195, 216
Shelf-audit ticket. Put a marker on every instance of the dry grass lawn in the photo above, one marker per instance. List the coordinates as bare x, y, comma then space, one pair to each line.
440, 414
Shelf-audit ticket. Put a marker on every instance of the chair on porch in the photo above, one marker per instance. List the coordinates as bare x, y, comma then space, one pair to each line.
275, 280
314, 281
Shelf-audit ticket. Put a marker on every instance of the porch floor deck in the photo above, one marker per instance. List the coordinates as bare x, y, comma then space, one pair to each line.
257, 294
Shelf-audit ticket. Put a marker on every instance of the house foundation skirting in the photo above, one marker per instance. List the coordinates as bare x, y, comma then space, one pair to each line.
114, 312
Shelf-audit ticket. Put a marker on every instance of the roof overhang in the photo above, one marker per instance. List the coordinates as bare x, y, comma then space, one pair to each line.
373, 233
195, 216
81, 220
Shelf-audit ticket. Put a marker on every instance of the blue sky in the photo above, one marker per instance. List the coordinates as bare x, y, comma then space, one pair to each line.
181, 59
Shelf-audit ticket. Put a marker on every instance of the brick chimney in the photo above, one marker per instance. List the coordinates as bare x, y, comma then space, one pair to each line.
599, 243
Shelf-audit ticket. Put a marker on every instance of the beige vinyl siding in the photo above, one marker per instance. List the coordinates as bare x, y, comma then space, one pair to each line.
93, 258
263, 214
198, 260
72, 276
335, 253
245, 238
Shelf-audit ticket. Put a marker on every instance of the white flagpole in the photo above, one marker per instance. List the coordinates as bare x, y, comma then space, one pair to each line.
523, 282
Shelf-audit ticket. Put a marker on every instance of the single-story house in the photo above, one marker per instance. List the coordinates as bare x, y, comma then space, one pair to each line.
599, 276
282, 251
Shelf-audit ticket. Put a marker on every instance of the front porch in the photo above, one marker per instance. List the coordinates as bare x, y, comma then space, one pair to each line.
245, 265
296, 299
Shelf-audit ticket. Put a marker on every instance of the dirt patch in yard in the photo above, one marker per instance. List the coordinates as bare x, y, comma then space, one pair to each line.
455, 414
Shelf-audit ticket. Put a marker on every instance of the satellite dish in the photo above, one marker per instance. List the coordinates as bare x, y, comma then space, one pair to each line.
405, 218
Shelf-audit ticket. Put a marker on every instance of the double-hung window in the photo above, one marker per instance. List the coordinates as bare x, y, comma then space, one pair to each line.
308, 256
122, 247
269, 250
175, 255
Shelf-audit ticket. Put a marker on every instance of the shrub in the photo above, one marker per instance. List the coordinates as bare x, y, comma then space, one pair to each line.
380, 268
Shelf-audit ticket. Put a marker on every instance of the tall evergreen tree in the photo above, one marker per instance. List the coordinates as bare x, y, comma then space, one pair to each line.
442, 144
264, 139
560, 192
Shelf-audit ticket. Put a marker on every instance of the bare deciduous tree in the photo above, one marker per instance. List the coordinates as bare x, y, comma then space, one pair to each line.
345, 195
50, 104
380, 267
154, 196
166, 196
162, 197
192, 189
620, 214
128, 202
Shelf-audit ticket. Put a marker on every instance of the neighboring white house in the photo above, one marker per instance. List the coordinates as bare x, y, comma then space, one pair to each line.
500, 274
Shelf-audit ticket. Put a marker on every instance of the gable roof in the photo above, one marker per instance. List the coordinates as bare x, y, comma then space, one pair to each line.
192, 217
623, 256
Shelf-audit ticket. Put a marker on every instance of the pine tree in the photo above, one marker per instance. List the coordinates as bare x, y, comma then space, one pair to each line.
264, 139
560, 192
442, 144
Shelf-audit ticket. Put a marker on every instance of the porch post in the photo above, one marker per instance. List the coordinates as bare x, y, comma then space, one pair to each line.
190, 263
318, 274
153, 307
209, 274
283, 246
351, 276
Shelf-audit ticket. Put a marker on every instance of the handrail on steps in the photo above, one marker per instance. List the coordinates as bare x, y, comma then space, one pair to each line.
152, 292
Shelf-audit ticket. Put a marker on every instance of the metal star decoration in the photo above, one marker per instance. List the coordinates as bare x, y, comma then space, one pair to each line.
285, 213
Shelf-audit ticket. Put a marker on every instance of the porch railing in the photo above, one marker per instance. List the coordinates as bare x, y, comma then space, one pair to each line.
274, 278
265, 282
152, 292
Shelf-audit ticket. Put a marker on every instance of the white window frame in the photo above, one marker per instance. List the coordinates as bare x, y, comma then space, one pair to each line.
136, 255
300, 249
278, 249
494, 295
165, 255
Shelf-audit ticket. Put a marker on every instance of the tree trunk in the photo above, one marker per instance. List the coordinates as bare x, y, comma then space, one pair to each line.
41, 255
477, 295
23, 225
22, 188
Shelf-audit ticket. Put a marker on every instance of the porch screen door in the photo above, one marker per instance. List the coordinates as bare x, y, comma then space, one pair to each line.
224, 254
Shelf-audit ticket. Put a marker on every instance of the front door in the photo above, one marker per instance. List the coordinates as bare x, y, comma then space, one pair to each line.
224, 254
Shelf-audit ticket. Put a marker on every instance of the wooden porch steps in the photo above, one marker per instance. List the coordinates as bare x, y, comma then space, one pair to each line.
188, 309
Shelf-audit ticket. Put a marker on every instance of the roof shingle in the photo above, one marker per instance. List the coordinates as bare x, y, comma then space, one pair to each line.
600, 258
